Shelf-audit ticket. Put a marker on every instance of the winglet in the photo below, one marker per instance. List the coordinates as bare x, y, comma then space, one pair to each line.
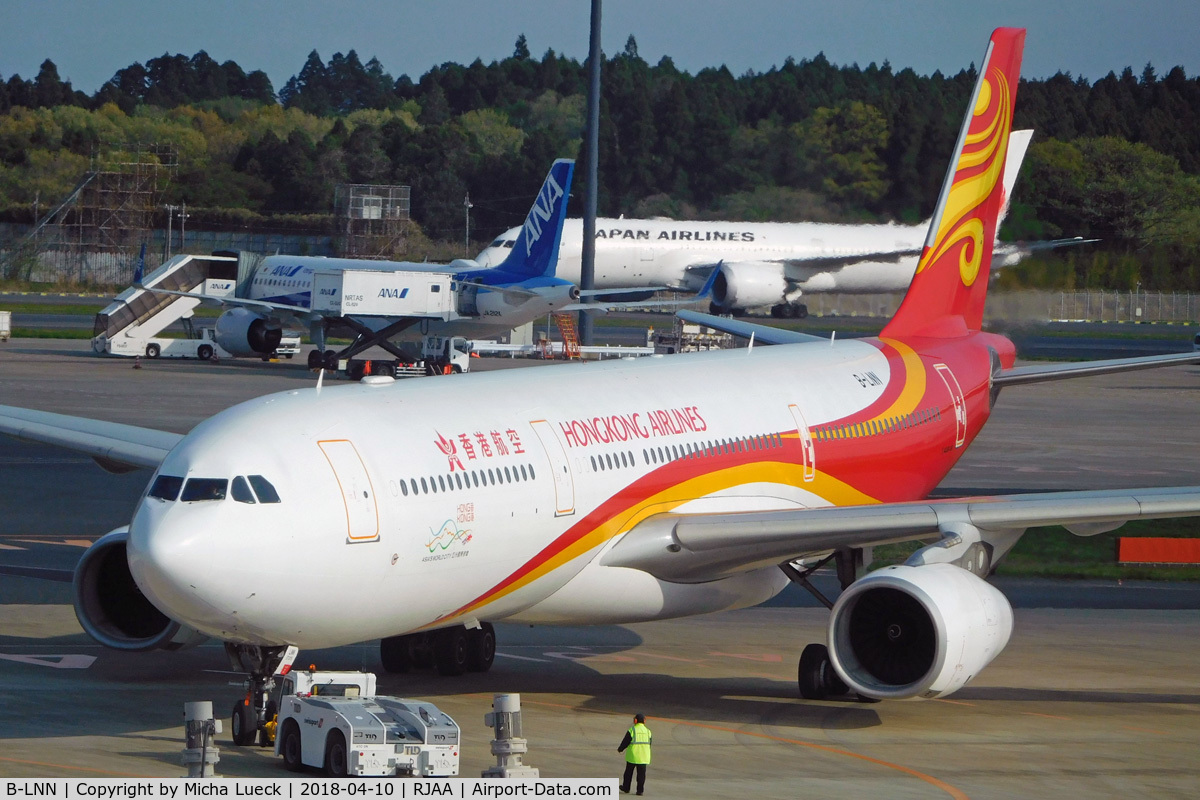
947, 293
706, 291
535, 253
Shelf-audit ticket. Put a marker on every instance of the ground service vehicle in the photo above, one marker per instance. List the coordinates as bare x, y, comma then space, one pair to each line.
334, 721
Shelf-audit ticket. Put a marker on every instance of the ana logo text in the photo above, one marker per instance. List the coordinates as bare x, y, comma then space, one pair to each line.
543, 209
398, 294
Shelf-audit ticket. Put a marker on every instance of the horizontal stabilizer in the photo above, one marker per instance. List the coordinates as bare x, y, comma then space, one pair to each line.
1041, 373
763, 334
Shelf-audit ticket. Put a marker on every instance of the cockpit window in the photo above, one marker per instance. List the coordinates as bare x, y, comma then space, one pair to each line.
166, 487
263, 488
198, 489
497, 243
241, 490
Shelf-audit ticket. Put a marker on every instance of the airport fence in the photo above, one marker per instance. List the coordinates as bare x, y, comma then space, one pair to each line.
1035, 305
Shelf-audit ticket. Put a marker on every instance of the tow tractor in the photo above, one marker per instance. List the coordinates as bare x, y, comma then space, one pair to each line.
335, 721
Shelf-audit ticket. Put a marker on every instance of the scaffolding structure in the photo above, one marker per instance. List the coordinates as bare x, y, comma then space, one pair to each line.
373, 220
95, 234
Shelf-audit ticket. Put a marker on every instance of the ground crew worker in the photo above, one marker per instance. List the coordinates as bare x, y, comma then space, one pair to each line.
636, 747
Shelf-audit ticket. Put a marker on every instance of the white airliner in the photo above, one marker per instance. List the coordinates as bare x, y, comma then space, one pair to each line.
613, 492
520, 288
759, 263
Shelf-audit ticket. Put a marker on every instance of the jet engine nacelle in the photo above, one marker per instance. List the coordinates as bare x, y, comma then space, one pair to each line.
917, 631
746, 285
112, 609
244, 333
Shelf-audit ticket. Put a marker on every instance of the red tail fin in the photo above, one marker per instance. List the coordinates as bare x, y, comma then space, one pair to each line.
947, 293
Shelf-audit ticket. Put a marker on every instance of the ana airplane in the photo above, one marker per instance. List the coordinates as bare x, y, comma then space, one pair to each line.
490, 300
610, 492
761, 263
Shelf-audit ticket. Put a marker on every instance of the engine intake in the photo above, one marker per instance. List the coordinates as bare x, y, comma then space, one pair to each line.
746, 285
917, 631
112, 609
244, 333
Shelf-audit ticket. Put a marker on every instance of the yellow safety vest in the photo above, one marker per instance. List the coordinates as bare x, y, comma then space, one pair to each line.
638, 751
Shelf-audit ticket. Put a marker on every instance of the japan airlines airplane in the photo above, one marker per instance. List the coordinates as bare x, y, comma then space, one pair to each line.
492, 300
761, 263
610, 492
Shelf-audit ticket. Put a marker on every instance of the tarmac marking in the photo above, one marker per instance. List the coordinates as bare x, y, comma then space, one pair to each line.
68, 766
521, 658
770, 657
954, 792
955, 702
1044, 716
70, 661
11, 547
84, 543
1146, 730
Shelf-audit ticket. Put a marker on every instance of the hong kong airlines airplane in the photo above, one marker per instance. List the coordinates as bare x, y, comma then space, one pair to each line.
610, 492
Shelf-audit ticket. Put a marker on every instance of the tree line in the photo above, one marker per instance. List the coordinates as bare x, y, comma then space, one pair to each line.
1116, 159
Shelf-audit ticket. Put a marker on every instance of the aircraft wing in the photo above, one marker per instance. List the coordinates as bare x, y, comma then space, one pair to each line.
261, 306
116, 447
763, 334
694, 548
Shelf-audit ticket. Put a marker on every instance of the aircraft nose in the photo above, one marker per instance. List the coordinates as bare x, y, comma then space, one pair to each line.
168, 560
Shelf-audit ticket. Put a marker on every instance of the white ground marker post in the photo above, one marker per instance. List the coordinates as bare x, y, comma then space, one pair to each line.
508, 744
200, 755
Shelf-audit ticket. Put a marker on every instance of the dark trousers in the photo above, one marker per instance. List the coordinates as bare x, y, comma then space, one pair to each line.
641, 777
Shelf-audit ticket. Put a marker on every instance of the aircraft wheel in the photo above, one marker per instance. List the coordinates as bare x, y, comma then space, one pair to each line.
315, 359
243, 724
331, 360
265, 738
336, 763
482, 648
450, 651
153, 350
396, 654
781, 311
204, 352
290, 747
816, 677
801, 311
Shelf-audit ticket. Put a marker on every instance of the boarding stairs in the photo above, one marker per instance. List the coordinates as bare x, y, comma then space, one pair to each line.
569, 335
126, 325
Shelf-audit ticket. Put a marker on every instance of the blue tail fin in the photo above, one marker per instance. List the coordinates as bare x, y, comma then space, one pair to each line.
536, 252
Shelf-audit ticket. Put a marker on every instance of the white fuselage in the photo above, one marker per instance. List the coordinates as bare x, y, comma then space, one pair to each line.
412, 505
660, 252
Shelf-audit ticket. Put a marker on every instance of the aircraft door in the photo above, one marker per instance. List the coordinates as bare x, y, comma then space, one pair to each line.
560, 468
960, 404
807, 450
358, 495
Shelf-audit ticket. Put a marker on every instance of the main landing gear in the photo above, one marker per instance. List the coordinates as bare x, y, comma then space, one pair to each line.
253, 716
789, 311
453, 651
816, 677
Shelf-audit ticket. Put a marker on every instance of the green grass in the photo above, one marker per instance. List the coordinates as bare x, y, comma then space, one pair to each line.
1057, 553
80, 310
39, 333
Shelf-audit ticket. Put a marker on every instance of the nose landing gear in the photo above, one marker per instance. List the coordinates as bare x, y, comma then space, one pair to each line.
254, 715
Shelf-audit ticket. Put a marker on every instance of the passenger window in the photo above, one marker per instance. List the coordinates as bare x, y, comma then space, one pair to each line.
404, 487
475, 479
201, 489
523, 475
531, 475
442, 482
507, 475
424, 488
166, 487
594, 464
241, 490
263, 488
458, 479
